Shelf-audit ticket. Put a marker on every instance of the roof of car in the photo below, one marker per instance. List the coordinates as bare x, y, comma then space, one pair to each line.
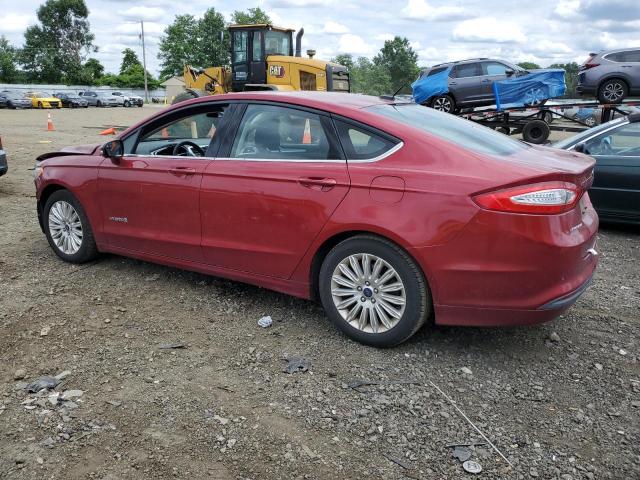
305, 98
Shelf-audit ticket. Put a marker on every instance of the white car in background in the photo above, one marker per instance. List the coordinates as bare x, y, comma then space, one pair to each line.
128, 100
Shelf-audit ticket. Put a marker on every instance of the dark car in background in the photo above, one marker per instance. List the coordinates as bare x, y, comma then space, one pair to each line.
14, 100
70, 100
3, 160
615, 145
470, 82
610, 76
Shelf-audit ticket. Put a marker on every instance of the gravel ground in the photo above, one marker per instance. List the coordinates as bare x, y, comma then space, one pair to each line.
559, 400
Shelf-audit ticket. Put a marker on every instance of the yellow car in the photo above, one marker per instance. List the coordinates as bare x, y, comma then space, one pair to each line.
43, 100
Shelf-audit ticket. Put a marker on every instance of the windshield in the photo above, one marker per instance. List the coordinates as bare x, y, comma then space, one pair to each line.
571, 141
277, 43
462, 132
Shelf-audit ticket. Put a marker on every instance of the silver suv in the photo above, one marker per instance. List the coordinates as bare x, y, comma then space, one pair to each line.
610, 76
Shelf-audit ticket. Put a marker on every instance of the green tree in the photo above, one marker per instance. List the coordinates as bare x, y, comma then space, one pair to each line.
528, 65
399, 61
92, 72
129, 59
252, 16
200, 43
8, 60
54, 50
570, 77
344, 59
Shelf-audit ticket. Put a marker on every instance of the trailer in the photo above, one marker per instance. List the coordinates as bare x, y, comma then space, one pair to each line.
536, 123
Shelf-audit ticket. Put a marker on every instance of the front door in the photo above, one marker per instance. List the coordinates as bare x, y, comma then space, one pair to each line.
270, 193
616, 185
258, 73
492, 72
150, 198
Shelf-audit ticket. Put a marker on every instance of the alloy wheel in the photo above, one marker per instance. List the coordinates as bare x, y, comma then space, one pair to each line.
534, 96
442, 104
368, 293
613, 92
65, 227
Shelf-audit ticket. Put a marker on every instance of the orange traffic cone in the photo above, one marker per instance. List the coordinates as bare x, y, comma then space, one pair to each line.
50, 127
108, 131
306, 136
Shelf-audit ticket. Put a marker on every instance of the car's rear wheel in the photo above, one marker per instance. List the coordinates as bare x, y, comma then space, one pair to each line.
444, 103
99, 104
67, 228
373, 291
127, 104
613, 91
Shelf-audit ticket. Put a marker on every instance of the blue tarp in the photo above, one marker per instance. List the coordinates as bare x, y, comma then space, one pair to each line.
529, 89
433, 85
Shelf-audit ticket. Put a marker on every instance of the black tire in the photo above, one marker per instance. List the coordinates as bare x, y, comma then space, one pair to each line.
88, 249
546, 117
126, 103
535, 131
188, 95
418, 299
98, 103
613, 91
39, 104
443, 103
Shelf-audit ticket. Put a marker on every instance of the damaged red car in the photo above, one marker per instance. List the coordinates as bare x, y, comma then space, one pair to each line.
390, 214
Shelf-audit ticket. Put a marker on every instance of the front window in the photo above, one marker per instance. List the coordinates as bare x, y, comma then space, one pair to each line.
462, 132
195, 128
277, 43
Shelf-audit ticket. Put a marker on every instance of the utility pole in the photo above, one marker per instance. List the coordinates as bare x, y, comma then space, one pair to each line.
144, 65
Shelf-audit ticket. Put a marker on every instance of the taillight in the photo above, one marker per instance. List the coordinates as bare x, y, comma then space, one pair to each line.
587, 66
539, 198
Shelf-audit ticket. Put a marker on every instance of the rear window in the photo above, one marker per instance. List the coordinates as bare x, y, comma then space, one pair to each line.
436, 70
462, 132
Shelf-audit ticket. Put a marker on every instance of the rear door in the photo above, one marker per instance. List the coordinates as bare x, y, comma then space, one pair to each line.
465, 82
616, 186
272, 188
150, 199
631, 67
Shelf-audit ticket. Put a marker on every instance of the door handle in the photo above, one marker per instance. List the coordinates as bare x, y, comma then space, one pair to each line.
318, 183
486, 81
453, 83
182, 171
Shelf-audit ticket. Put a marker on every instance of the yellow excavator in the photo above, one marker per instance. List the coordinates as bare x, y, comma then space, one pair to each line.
262, 58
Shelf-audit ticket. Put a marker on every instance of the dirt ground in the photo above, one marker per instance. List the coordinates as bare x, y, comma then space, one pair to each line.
559, 400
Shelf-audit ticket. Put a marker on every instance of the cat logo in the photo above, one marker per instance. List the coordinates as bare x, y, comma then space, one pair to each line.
276, 71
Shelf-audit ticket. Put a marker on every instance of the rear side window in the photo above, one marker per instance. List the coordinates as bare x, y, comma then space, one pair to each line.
436, 70
281, 133
360, 143
465, 133
466, 70
630, 56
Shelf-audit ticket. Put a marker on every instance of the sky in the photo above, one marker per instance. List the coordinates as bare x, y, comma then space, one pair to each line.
541, 31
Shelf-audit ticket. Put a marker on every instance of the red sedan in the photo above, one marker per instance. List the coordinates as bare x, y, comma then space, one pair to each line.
390, 214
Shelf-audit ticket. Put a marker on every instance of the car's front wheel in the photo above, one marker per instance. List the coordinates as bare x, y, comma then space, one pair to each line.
613, 91
373, 291
444, 103
67, 228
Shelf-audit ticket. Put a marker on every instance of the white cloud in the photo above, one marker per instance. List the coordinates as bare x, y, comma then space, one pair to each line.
355, 45
422, 10
567, 8
383, 37
16, 22
144, 13
332, 27
489, 30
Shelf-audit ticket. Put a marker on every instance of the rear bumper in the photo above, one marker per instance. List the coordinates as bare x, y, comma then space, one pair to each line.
506, 269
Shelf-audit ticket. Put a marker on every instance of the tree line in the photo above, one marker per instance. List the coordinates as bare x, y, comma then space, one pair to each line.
58, 49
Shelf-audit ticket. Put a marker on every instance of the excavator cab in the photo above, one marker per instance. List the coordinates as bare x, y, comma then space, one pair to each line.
250, 46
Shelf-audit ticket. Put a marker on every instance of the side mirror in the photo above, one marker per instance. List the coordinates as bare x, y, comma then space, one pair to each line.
580, 148
114, 150
508, 73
